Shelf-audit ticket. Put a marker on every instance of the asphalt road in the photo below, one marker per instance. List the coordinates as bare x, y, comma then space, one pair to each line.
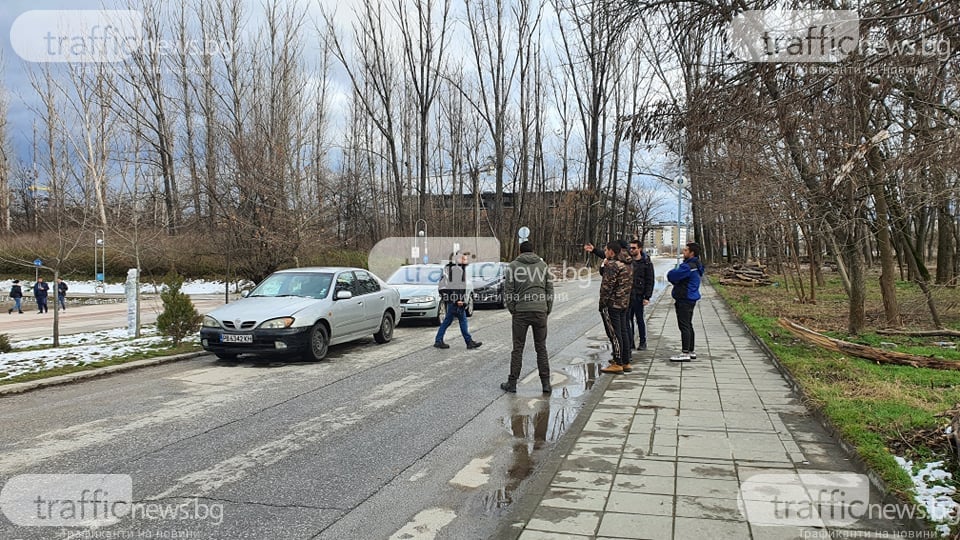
400, 440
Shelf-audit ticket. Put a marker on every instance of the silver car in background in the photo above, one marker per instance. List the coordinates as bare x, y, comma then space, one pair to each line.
302, 311
418, 285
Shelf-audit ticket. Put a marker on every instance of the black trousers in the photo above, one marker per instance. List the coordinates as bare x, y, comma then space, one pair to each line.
636, 312
522, 320
617, 326
685, 323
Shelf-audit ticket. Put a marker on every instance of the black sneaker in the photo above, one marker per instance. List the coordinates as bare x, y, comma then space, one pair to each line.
509, 387
474, 344
441, 345
642, 347
545, 386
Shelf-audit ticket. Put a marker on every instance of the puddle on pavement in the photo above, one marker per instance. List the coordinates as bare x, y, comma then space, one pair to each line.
536, 431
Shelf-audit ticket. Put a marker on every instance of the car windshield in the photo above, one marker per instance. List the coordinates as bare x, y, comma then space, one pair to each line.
305, 284
417, 275
486, 270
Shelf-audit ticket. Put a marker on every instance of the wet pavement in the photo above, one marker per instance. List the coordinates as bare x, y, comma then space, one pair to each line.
719, 447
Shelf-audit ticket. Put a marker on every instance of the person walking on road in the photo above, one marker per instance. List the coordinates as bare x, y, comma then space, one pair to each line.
615, 287
686, 291
528, 295
40, 291
453, 292
62, 293
16, 294
640, 294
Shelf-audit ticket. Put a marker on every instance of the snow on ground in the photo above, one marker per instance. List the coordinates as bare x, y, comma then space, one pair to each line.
933, 492
194, 286
75, 350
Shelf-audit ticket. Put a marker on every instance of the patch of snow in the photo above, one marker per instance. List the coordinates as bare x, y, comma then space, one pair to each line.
931, 493
76, 350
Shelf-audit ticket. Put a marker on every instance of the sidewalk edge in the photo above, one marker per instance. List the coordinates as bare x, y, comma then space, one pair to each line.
889, 497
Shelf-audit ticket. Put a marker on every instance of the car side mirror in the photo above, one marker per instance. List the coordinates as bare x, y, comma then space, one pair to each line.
343, 295
244, 293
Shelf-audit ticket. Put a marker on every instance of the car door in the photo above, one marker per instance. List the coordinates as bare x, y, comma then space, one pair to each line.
347, 313
374, 299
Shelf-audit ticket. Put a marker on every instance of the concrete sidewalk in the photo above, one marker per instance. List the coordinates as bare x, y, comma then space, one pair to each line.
669, 446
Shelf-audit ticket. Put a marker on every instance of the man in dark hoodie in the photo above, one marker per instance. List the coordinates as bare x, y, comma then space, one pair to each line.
686, 291
528, 295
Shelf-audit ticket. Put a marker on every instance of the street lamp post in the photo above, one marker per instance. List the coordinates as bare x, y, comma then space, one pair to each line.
679, 216
422, 233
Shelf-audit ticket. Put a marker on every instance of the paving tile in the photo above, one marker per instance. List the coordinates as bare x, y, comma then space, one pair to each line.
582, 480
708, 487
583, 449
591, 463
696, 469
641, 526
579, 499
692, 528
564, 520
708, 508
640, 503
648, 467
540, 535
639, 483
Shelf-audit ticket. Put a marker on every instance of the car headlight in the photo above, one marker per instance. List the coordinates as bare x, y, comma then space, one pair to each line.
273, 324
210, 322
421, 299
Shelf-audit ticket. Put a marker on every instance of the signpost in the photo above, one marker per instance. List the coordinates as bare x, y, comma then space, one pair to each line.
36, 267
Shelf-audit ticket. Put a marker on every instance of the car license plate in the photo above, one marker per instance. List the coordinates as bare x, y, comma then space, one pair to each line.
236, 338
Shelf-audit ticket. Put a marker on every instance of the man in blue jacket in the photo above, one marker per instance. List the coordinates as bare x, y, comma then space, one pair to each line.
686, 291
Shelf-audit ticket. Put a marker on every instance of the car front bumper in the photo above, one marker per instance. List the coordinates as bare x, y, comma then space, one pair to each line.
418, 311
280, 341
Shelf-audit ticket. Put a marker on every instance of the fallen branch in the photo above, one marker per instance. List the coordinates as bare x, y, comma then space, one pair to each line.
919, 333
863, 351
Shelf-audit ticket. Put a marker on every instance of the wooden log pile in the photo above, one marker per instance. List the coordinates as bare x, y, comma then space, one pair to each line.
745, 275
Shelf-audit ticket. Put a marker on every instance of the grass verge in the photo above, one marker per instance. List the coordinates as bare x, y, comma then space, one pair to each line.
162, 350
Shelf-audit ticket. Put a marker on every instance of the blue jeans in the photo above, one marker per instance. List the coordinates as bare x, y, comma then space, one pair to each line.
62, 298
16, 304
460, 312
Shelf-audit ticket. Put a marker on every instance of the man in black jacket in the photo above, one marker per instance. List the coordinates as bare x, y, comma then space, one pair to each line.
640, 295
453, 292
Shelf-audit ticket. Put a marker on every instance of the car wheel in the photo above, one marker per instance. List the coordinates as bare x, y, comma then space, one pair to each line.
319, 342
441, 312
386, 329
226, 356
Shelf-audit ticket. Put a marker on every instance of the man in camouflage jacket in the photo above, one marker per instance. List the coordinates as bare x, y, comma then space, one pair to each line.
615, 288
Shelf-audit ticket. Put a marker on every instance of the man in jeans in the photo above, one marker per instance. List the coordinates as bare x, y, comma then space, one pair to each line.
640, 295
686, 291
615, 286
528, 294
453, 291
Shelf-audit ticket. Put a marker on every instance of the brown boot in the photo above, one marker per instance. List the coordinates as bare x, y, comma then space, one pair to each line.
612, 368
627, 368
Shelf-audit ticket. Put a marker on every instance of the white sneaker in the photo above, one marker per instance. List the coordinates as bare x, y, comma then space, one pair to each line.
681, 358
692, 355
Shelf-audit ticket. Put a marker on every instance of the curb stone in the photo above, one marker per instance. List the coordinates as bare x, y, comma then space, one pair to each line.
19, 388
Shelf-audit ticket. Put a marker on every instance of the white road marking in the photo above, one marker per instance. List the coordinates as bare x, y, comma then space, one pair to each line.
474, 474
425, 525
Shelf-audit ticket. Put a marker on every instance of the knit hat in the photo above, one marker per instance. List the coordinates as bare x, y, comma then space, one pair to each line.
16, 281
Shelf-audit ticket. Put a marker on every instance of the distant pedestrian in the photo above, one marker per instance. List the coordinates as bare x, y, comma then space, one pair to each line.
16, 293
62, 293
640, 294
615, 287
40, 291
686, 291
453, 293
528, 295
